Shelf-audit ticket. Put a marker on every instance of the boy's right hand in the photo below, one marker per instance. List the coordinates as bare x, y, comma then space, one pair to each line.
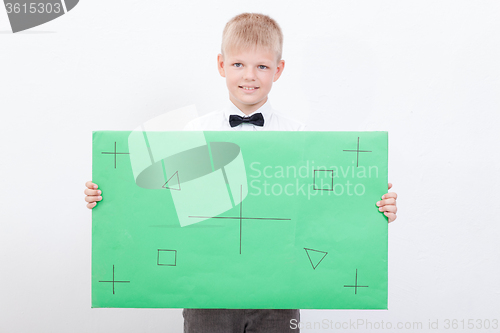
93, 194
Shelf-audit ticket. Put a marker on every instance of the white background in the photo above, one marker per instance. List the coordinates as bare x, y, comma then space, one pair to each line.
426, 71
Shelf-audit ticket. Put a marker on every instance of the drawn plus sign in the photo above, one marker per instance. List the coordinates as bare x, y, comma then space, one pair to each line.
241, 218
357, 152
356, 286
115, 281
114, 153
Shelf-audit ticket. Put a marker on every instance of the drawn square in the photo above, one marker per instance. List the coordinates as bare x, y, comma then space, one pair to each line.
167, 258
323, 180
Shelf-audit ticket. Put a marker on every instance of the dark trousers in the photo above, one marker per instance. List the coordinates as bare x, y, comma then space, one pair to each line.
240, 321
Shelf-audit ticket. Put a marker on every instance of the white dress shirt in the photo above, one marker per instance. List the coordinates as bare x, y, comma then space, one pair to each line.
219, 121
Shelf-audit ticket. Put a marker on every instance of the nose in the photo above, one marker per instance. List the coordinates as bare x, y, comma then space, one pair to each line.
249, 74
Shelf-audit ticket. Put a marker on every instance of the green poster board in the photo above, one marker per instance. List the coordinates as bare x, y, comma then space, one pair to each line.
244, 220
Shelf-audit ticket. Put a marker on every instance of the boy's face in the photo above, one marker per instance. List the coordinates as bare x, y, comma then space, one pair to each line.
249, 76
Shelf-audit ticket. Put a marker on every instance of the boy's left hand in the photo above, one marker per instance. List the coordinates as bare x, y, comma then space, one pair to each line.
388, 205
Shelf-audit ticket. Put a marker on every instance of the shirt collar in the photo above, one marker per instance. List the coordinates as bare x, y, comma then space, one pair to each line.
265, 109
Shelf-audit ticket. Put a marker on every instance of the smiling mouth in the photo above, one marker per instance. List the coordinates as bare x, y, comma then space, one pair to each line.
248, 88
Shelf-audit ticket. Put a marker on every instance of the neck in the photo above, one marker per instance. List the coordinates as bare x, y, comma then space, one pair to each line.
248, 109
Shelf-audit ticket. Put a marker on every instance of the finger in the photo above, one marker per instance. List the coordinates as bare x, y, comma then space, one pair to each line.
390, 195
388, 208
390, 201
390, 216
92, 198
92, 192
91, 205
390, 185
91, 185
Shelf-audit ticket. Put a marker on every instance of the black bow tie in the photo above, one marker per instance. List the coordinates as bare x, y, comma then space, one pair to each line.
256, 119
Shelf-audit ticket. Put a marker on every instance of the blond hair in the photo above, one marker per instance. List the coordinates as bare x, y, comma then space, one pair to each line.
250, 30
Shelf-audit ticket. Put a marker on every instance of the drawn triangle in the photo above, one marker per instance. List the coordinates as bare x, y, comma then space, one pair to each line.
315, 256
175, 184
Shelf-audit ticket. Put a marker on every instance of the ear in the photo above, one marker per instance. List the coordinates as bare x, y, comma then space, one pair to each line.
220, 65
279, 70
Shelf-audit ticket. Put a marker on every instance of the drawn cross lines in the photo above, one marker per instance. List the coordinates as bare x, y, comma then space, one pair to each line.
241, 218
357, 152
355, 286
115, 281
113, 153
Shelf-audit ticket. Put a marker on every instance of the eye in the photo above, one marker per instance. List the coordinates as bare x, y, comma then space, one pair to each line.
262, 67
238, 64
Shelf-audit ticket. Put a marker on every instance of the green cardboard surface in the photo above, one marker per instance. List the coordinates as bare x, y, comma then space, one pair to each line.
245, 220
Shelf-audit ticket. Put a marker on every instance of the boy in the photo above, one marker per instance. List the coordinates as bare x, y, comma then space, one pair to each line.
250, 60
